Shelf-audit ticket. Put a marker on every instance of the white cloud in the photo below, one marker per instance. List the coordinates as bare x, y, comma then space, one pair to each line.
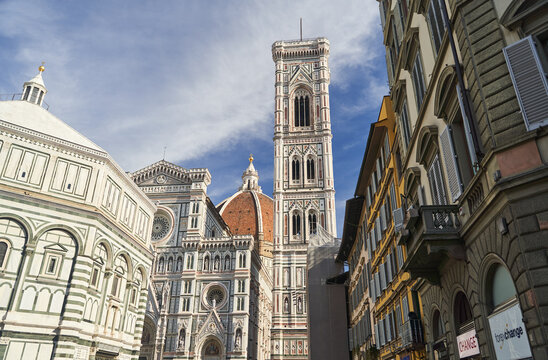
195, 76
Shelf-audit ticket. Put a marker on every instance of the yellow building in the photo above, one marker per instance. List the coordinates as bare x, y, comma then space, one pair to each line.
378, 289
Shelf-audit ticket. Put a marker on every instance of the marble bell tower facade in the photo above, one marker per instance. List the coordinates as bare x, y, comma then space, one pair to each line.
304, 194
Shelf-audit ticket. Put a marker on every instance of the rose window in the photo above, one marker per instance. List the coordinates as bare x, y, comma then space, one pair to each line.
215, 296
160, 227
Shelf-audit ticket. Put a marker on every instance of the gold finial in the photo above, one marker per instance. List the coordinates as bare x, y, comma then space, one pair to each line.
42, 68
250, 158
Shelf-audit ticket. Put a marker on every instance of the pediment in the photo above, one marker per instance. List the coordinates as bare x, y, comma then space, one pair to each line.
300, 74
161, 173
56, 247
211, 326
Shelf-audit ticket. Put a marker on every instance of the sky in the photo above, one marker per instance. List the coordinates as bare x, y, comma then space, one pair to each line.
194, 79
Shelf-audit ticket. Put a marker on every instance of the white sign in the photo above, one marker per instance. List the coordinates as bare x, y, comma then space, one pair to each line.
468, 344
509, 334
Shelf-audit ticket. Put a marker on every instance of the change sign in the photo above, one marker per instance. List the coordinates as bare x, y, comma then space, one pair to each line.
468, 344
509, 335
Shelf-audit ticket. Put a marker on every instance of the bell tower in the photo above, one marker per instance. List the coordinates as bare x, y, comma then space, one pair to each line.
304, 194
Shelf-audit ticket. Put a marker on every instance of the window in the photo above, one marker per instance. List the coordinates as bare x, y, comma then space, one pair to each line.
3, 254
241, 286
501, 287
27, 92
295, 170
34, 95
94, 277
302, 110
296, 224
187, 288
437, 187
118, 280
186, 304
242, 260
190, 262
462, 313
312, 223
418, 80
405, 125
240, 303
435, 23
528, 73
53, 262
310, 171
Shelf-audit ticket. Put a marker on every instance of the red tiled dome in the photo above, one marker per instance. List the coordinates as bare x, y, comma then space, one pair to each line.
250, 212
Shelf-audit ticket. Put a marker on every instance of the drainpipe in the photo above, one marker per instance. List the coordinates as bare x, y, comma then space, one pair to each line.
460, 79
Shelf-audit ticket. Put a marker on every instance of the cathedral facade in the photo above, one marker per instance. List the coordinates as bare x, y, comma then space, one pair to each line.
210, 293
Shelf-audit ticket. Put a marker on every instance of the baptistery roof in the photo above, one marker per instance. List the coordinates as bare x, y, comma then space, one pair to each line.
250, 212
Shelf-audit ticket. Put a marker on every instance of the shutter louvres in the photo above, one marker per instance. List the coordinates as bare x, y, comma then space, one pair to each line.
529, 81
453, 176
398, 219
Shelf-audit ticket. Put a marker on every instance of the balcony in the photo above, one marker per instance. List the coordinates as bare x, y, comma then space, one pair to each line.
431, 234
411, 334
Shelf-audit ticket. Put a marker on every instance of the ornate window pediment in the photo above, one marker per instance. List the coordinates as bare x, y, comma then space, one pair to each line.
427, 144
446, 96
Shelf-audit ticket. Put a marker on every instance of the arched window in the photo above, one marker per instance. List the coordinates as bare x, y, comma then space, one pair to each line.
3, 253
500, 286
120, 277
462, 313
310, 169
170, 264
295, 170
179, 264
301, 110
437, 326
190, 261
296, 224
161, 265
312, 223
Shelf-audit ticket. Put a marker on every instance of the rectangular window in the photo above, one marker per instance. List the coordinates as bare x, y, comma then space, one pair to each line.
52, 265
115, 289
436, 25
405, 125
94, 277
418, 80
437, 187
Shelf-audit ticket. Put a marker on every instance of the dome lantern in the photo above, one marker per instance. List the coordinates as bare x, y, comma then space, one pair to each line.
34, 90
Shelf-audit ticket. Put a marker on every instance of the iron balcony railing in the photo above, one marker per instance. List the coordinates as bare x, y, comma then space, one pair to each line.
411, 333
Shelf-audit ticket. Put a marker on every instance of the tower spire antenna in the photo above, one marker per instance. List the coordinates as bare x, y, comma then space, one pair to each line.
164, 156
301, 29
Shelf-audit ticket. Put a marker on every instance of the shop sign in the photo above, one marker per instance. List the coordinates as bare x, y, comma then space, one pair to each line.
509, 334
468, 344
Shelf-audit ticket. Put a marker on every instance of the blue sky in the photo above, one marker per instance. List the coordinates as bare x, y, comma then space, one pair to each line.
194, 76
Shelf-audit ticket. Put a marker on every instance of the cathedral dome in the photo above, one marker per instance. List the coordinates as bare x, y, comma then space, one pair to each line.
250, 212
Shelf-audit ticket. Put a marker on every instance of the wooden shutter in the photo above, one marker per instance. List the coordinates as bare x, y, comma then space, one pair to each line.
450, 159
436, 182
467, 131
384, 225
389, 276
378, 229
529, 81
398, 219
400, 257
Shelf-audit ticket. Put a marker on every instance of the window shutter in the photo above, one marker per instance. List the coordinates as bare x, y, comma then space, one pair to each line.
372, 289
383, 217
529, 81
389, 268
382, 270
405, 306
379, 169
381, 330
400, 256
467, 131
378, 229
393, 199
453, 176
377, 285
436, 182
377, 342
398, 219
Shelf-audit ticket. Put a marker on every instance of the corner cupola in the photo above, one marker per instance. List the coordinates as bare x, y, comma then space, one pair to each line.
250, 177
34, 89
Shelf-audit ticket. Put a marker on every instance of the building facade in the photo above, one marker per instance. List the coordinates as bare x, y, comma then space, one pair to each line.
468, 85
378, 286
304, 195
209, 296
74, 241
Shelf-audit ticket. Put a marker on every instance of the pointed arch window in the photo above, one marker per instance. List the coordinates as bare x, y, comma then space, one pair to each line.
302, 110
313, 223
3, 253
295, 170
310, 169
296, 226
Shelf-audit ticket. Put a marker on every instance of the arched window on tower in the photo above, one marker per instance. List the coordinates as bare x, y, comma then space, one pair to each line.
312, 223
295, 170
301, 110
296, 224
310, 169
